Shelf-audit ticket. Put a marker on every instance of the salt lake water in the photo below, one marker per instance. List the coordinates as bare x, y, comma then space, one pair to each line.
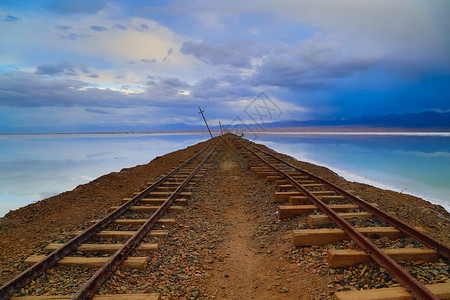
33, 167
412, 163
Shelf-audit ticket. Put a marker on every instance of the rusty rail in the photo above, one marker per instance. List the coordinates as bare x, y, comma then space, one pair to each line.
403, 227
21, 280
88, 290
412, 284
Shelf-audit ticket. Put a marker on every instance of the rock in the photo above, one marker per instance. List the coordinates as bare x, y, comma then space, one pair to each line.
283, 290
194, 293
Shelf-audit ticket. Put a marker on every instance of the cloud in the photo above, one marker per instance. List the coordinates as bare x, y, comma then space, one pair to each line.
69, 7
409, 33
61, 27
313, 63
98, 111
120, 26
224, 88
236, 53
75, 37
143, 27
23, 89
53, 69
64, 69
98, 28
10, 18
165, 87
148, 60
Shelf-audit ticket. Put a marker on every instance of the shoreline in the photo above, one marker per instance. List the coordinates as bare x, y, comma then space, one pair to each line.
252, 128
358, 178
348, 175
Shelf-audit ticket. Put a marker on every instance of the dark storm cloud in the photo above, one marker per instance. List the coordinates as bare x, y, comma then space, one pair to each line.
235, 52
68, 7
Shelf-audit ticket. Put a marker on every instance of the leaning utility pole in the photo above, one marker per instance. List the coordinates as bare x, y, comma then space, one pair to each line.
221, 127
201, 112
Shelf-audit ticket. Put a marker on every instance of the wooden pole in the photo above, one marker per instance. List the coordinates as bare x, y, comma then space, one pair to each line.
201, 112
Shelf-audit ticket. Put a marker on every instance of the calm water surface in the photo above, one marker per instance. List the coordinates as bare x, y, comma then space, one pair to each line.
418, 165
33, 167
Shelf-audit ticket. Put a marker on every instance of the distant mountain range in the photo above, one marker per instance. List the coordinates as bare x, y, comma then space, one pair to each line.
429, 119
423, 120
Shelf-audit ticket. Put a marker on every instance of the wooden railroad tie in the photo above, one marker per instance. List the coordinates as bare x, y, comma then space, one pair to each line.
138, 263
324, 236
441, 290
259, 169
127, 233
157, 201
145, 208
187, 173
290, 211
139, 221
279, 177
166, 194
176, 183
303, 179
305, 183
270, 172
101, 248
295, 200
172, 189
302, 183
322, 220
349, 257
284, 196
186, 176
153, 296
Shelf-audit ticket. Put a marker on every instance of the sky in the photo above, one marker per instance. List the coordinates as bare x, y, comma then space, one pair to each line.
79, 65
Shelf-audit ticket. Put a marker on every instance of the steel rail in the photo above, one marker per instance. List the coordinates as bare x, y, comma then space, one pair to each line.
88, 290
425, 239
21, 280
406, 279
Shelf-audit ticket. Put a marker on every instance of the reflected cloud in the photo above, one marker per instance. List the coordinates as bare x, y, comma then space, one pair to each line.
34, 167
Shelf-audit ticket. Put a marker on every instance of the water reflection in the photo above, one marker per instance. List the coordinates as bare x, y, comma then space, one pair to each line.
33, 167
418, 165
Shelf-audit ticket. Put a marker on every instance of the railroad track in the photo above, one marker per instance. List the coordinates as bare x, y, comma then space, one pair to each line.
309, 194
166, 195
